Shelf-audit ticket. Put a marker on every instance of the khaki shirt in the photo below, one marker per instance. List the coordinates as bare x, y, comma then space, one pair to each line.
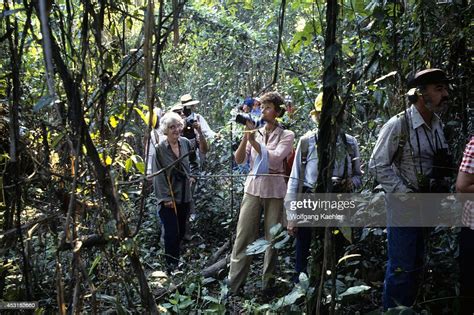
417, 155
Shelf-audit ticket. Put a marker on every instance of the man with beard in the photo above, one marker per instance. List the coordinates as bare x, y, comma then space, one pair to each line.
405, 160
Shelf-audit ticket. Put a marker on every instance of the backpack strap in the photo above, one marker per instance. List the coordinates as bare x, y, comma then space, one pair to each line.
349, 151
402, 139
304, 146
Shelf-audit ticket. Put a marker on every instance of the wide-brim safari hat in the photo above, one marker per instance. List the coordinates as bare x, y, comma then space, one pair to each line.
187, 100
428, 76
176, 107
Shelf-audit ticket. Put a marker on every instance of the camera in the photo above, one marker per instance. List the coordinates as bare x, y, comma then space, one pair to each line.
243, 118
427, 184
188, 131
190, 121
340, 185
437, 180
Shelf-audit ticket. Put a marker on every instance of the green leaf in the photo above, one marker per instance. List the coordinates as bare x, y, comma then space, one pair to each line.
353, 291
167, 305
108, 160
185, 304
290, 298
275, 229
113, 121
128, 165
44, 101
263, 307
210, 299
95, 263
280, 244
257, 247
142, 115
58, 138
140, 167
303, 281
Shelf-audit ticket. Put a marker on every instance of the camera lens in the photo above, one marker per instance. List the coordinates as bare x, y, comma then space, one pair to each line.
241, 119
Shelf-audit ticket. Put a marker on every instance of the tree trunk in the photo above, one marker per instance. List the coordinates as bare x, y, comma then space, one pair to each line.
327, 139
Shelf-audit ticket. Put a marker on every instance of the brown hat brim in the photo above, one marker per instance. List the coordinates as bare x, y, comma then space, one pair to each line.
428, 76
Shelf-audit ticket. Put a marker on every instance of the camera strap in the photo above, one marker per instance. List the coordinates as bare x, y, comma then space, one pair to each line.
304, 160
429, 141
349, 152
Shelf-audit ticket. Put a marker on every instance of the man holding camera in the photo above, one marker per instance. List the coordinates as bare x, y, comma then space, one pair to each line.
408, 157
196, 127
265, 187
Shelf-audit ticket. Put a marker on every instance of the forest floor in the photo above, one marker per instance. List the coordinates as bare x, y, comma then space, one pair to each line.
192, 291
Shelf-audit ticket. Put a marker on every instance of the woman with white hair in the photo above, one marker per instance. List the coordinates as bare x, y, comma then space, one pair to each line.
173, 186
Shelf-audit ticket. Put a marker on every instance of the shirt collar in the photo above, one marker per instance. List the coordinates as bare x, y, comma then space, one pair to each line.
168, 144
274, 131
417, 120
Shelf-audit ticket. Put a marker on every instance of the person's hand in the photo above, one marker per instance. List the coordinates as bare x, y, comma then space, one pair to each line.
249, 125
347, 185
192, 180
292, 228
197, 126
250, 130
168, 204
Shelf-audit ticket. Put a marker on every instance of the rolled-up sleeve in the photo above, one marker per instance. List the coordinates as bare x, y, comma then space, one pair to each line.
380, 164
206, 130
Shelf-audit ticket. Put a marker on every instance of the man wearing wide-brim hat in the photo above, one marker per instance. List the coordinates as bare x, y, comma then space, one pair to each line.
407, 158
189, 104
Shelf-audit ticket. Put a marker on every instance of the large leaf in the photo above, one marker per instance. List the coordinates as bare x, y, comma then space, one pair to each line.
275, 229
280, 244
290, 298
353, 291
257, 247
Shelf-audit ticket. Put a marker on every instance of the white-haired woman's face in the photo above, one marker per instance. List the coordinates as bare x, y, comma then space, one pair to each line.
174, 130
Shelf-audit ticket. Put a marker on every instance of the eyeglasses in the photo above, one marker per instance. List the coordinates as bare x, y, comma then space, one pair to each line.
179, 112
174, 127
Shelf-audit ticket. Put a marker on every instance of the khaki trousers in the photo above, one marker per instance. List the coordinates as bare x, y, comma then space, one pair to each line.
247, 232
